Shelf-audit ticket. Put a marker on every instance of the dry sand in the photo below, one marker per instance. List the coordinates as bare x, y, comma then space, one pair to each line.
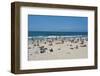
58, 49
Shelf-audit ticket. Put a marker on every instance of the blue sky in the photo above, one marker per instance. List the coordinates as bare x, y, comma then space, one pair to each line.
57, 23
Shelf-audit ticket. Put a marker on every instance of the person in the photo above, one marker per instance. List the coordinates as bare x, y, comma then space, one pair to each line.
51, 50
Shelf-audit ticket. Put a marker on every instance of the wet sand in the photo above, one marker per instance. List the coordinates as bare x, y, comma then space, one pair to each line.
57, 48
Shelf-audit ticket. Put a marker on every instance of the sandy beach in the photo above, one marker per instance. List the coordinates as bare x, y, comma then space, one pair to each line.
50, 48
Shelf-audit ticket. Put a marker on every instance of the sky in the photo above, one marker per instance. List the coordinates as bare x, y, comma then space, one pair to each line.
57, 23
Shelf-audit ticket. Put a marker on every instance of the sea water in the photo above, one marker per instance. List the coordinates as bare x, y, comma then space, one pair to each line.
48, 33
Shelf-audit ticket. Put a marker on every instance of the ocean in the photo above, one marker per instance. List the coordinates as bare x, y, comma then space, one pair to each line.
49, 33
